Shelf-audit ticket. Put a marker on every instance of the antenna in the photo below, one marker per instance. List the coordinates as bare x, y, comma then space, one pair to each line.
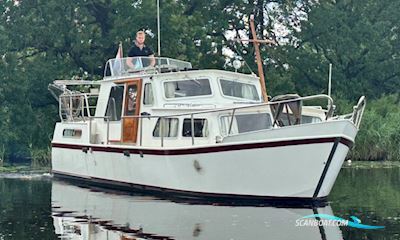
330, 80
158, 28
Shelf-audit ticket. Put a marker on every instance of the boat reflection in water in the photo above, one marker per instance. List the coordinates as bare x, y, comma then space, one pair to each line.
88, 213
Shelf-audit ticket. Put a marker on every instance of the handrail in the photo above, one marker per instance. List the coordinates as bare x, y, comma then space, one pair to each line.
355, 116
358, 111
236, 108
330, 106
233, 109
192, 127
231, 123
161, 131
192, 114
107, 118
70, 108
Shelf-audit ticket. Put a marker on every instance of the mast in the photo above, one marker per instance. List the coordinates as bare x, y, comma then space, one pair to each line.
258, 59
256, 42
158, 29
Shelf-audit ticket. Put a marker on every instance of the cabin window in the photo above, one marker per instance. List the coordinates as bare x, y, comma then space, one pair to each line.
72, 133
246, 123
114, 105
169, 129
200, 127
304, 119
187, 88
148, 97
239, 90
310, 119
131, 97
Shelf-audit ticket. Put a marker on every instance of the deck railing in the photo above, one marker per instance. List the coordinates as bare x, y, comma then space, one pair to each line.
358, 111
77, 106
83, 112
231, 111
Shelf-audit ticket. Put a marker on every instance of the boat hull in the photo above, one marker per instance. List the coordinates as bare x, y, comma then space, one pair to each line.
293, 168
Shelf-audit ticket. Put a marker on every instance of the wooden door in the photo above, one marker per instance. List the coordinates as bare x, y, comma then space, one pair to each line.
132, 108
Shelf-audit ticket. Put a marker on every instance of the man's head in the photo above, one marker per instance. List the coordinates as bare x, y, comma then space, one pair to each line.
140, 37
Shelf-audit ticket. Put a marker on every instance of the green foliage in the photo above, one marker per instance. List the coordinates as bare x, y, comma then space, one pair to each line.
360, 38
41, 157
379, 136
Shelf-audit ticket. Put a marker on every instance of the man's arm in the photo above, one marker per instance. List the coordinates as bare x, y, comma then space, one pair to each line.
152, 60
128, 60
129, 63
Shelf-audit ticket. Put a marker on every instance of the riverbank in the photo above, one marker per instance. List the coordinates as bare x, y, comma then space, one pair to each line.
23, 169
371, 164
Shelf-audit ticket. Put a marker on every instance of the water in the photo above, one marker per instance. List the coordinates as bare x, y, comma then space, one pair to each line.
35, 206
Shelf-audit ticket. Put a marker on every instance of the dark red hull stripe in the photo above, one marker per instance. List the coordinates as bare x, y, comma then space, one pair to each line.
200, 150
183, 194
326, 168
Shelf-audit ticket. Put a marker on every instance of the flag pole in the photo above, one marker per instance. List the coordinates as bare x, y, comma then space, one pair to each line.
158, 28
121, 54
122, 50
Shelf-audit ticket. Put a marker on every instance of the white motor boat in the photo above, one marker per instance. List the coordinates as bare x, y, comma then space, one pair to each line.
82, 213
173, 130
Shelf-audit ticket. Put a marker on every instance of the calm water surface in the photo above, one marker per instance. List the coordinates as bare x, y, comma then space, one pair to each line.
39, 207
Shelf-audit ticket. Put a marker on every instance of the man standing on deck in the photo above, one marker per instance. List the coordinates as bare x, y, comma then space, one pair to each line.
139, 49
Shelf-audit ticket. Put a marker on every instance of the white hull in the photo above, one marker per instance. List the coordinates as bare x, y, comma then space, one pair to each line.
80, 213
271, 164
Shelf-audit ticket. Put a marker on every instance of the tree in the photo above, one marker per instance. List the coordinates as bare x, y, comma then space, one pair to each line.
360, 38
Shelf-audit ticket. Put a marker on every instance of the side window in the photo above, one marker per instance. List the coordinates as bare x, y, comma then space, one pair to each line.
245, 123
169, 128
310, 119
72, 133
304, 119
239, 90
187, 88
148, 97
200, 127
114, 105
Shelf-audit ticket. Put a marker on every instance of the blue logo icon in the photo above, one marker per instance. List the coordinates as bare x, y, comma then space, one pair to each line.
325, 219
